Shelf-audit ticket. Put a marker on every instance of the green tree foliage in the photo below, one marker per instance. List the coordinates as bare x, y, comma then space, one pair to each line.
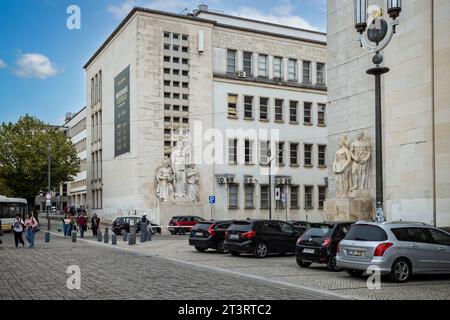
24, 149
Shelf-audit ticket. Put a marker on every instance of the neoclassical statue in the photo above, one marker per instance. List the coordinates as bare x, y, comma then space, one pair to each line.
192, 183
164, 177
342, 168
178, 161
361, 153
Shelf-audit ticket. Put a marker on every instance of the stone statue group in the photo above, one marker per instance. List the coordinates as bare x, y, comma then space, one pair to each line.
351, 165
178, 178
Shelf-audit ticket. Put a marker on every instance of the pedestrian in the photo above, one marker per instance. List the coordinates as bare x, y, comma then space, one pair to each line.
95, 223
18, 226
82, 224
1, 232
30, 225
67, 224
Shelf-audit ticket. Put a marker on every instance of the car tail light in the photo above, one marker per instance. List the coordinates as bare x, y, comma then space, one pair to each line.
381, 249
210, 230
326, 242
248, 235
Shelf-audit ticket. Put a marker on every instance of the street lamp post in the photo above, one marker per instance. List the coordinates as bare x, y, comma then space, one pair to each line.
49, 158
379, 34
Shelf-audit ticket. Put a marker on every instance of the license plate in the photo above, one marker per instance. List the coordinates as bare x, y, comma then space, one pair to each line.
309, 251
355, 253
234, 236
199, 234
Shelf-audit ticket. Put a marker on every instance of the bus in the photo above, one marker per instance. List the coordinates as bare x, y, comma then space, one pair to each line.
9, 207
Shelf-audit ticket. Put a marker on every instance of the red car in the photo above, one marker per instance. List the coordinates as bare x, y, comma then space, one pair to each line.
183, 224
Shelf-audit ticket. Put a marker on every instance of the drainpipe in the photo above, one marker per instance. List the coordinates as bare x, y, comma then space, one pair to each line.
433, 117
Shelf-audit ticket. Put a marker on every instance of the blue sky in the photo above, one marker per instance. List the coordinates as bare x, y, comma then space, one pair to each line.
41, 60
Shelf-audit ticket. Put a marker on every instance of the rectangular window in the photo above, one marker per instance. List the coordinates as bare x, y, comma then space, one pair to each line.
280, 153
294, 153
262, 66
233, 196
232, 106
264, 197
166, 70
279, 203
185, 49
247, 63
292, 69
100, 87
184, 37
320, 73
321, 115
166, 34
277, 68
166, 59
306, 72
185, 61
278, 110
249, 191
167, 82
293, 111
92, 92
294, 197
322, 197
248, 152
264, 147
231, 61
263, 109
166, 46
308, 154
232, 151
176, 72
248, 107
176, 36
307, 112
321, 155
176, 48
309, 197
175, 60
185, 73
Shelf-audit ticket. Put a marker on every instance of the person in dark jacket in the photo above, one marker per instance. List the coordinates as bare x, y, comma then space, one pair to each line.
82, 224
95, 223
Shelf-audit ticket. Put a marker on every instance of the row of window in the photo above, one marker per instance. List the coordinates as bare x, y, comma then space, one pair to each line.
175, 36
279, 107
80, 145
277, 67
77, 128
176, 72
281, 155
78, 184
96, 88
176, 84
292, 197
176, 60
175, 95
175, 107
176, 48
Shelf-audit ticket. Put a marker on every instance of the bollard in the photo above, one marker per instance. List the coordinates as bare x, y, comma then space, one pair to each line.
125, 236
106, 230
144, 231
106, 237
142, 236
132, 236
47, 237
114, 240
74, 236
149, 235
99, 236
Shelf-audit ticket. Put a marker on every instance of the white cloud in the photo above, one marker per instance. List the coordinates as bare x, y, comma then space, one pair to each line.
2, 64
176, 6
34, 65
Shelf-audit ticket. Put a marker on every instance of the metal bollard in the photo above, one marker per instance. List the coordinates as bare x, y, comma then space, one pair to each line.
142, 236
106, 230
99, 236
114, 240
132, 236
149, 235
74, 236
125, 237
106, 237
47, 237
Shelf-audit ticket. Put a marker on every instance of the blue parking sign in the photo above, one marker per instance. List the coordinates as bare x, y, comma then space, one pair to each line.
212, 200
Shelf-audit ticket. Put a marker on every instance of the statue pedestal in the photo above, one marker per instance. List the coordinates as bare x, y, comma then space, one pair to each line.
349, 209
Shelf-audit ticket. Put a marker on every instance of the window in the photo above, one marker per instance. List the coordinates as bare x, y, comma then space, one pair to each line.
185, 109
293, 111
176, 60
176, 72
249, 191
280, 153
166, 70
278, 110
262, 66
167, 82
233, 196
308, 154
321, 115
185, 49
292, 69
247, 63
185, 96
277, 68
294, 197
185, 61
176, 48
176, 96
184, 37
286, 228
166, 34
231, 61
176, 84
264, 147
248, 107
166, 94
263, 109
248, 152
309, 197
363, 232
294, 154
307, 119
264, 197
280, 204
166, 59
166, 46
167, 132
167, 119
185, 84
232, 151
306, 71
185, 120
320, 73
185, 73
321, 155
176, 36
232, 109
440, 238
322, 197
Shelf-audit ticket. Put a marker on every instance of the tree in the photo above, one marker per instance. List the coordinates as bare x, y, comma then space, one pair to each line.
24, 149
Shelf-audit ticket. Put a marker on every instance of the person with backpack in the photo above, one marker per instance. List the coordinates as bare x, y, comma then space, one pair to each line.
18, 226
30, 226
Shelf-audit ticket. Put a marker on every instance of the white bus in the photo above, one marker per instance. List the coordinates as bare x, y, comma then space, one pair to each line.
9, 207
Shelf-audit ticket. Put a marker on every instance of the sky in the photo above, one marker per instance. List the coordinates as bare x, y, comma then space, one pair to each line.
41, 59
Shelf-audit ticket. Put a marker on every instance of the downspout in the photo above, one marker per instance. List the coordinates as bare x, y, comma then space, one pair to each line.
433, 117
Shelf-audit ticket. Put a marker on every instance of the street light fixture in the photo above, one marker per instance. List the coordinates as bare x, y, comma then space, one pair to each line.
379, 34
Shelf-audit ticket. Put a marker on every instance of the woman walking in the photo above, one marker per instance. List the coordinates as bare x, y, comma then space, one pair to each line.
67, 224
95, 223
30, 226
82, 224
18, 226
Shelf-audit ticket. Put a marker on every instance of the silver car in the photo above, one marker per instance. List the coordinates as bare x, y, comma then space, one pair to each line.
398, 249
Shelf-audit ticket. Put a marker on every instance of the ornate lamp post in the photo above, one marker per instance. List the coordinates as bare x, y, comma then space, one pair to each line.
379, 34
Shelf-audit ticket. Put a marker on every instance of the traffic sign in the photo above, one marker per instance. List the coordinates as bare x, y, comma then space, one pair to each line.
283, 197
212, 200
277, 194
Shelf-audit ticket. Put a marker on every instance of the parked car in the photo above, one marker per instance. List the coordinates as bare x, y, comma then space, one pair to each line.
183, 224
261, 237
300, 225
399, 249
319, 244
209, 235
122, 225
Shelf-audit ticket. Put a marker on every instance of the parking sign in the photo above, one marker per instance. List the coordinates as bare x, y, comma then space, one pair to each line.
212, 200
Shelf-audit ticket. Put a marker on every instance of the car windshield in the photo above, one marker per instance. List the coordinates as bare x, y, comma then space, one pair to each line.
363, 232
240, 226
318, 231
202, 225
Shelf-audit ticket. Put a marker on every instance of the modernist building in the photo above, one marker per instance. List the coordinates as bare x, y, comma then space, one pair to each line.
163, 84
416, 110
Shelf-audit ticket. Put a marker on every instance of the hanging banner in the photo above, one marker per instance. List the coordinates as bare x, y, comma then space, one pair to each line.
122, 112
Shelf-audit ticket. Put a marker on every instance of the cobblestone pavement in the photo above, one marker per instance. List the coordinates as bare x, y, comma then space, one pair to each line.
114, 273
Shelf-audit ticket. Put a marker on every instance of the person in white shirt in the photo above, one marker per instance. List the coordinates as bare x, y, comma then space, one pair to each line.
18, 226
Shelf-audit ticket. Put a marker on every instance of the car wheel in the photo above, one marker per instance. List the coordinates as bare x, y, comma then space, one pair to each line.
221, 248
355, 273
199, 249
400, 271
331, 264
235, 253
261, 250
303, 264
182, 231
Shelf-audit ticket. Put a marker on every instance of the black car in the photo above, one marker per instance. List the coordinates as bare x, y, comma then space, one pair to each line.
209, 235
319, 244
122, 225
261, 237
300, 225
